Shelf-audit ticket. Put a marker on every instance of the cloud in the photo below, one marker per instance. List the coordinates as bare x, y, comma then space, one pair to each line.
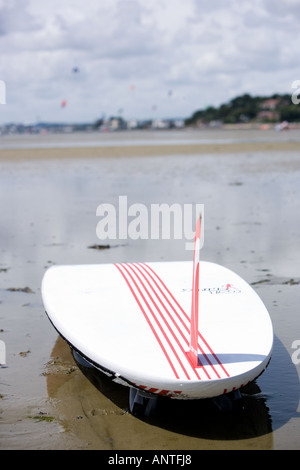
205, 52
15, 18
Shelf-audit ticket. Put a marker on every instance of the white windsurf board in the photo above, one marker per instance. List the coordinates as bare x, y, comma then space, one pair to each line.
133, 322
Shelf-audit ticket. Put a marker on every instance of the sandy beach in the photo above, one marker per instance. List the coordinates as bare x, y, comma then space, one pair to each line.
50, 189
157, 147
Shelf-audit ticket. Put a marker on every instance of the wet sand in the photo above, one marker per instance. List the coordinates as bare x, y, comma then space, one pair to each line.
50, 190
111, 151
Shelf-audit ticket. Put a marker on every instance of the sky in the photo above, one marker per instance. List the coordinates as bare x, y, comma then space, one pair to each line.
78, 61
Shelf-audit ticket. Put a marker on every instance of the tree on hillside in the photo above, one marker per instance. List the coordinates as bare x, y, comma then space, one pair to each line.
246, 108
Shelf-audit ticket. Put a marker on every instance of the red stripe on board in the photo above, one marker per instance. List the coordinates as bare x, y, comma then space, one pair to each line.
185, 326
149, 270
148, 279
146, 317
200, 364
155, 317
145, 267
158, 391
214, 355
187, 317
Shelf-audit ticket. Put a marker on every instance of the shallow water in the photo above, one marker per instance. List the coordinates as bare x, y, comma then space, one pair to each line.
48, 216
140, 137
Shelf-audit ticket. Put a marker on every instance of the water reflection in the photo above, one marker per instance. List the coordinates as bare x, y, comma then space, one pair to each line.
262, 400
199, 418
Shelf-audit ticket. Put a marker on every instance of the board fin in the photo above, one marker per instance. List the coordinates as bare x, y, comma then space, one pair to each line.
193, 347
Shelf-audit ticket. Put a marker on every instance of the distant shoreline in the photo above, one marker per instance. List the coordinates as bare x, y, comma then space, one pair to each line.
144, 150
